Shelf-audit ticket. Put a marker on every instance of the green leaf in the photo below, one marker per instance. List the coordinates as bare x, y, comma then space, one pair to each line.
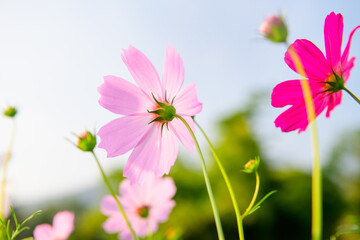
257, 206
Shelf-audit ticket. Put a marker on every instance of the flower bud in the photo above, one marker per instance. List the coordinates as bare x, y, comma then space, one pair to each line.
252, 165
274, 29
10, 112
86, 141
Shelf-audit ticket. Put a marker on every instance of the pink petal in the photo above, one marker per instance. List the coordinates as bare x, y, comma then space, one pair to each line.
161, 213
345, 55
63, 224
142, 70
182, 133
187, 103
168, 152
164, 190
334, 100
156, 152
296, 116
333, 31
108, 206
313, 60
346, 70
43, 232
122, 97
115, 224
144, 156
173, 74
123, 134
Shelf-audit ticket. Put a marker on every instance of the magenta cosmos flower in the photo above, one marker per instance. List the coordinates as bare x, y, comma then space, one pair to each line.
326, 76
146, 205
63, 225
149, 125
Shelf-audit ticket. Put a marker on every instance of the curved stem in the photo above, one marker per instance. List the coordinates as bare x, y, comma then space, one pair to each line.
114, 195
257, 186
207, 181
228, 184
4, 167
351, 94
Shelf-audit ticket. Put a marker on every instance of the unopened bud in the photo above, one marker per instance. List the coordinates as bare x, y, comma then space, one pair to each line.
10, 112
252, 165
86, 141
274, 28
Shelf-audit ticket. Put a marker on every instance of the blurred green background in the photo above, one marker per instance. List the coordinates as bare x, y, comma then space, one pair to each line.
285, 215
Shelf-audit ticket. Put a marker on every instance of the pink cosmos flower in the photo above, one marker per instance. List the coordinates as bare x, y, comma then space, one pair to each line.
326, 76
149, 125
274, 28
146, 205
63, 225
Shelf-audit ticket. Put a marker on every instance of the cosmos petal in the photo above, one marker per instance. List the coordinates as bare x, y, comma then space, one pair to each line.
313, 60
143, 71
63, 224
182, 133
345, 55
123, 134
333, 32
43, 232
122, 97
114, 224
186, 102
173, 74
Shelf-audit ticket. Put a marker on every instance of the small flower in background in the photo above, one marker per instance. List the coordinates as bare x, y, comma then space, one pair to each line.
63, 225
326, 76
10, 112
149, 125
86, 141
274, 29
146, 205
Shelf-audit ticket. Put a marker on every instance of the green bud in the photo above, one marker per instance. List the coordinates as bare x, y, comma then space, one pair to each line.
86, 141
10, 112
252, 165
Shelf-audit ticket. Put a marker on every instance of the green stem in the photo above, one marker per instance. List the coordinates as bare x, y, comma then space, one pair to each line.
228, 184
114, 195
352, 95
3, 176
257, 186
316, 188
207, 181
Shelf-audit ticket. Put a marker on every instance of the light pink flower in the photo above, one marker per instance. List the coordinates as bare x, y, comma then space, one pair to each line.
63, 225
326, 76
144, 127
146, 205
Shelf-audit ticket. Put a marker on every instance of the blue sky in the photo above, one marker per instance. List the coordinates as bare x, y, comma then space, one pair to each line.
54, 55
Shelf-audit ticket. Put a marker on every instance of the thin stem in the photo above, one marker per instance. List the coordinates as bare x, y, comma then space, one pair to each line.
351, 94
257, 186
228, 184
207, 181
316, 200
4, 167
114, 195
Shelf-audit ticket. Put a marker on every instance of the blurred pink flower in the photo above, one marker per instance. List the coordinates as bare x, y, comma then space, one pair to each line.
63, 225
149, 125
146, 205
326, 76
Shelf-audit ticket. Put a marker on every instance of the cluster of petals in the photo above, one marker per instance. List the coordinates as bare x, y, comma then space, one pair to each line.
155, 195
63, 225
320, 71
154, 144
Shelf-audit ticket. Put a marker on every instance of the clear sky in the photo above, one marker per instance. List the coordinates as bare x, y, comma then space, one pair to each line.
54, 54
